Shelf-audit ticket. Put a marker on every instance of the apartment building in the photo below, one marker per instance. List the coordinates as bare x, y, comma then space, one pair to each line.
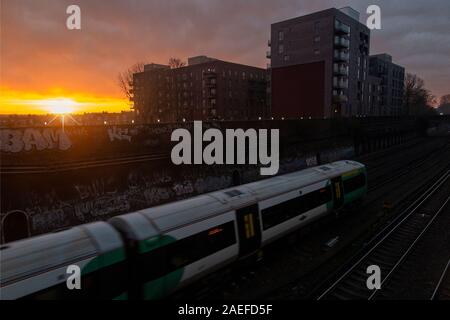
392, 82
205, 89
320, 65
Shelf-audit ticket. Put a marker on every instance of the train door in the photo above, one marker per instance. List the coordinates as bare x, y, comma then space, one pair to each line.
249, 229
338, 192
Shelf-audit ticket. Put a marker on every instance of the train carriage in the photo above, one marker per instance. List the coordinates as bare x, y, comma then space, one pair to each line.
37, 268
192, 237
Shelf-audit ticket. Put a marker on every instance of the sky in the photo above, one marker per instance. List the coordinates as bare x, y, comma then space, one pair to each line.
42, 62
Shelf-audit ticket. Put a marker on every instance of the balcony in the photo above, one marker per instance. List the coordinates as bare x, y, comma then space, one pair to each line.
340, 98
209, 74
341, 42
341, 28
340, 69
211, 84
340, 83
341, 55
268, 55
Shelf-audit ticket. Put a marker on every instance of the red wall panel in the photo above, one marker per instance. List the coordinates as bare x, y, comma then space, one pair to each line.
298, 90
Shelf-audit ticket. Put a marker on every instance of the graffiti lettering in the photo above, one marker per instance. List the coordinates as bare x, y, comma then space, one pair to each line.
33, 139
120, 134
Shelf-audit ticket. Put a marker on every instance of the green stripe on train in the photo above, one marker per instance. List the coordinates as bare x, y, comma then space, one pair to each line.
104, 260
160, 287
355, 195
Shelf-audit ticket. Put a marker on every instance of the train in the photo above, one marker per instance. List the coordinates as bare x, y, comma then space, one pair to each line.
152, 253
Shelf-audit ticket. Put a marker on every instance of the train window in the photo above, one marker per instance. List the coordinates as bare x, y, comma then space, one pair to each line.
152, 263
200, 245
171, 257
110, 289
354, 183
287, 210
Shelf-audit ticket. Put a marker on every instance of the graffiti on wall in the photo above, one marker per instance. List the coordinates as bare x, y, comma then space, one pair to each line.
103, 195
120, 134
18, 140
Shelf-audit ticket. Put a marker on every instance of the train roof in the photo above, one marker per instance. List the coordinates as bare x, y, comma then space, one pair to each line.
169, 216
271, 187
23, 258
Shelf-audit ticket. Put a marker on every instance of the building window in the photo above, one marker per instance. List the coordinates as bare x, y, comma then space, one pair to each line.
280, 35
286, 58
316, 52
317, 39
317, 26
280, 48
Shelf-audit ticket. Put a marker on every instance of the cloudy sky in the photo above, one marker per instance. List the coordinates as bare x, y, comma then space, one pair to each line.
40, 58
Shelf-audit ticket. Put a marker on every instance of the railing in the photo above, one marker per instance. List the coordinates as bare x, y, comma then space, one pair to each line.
340, 98
340, 69
341, 28
340, 83
341, 42
341, 55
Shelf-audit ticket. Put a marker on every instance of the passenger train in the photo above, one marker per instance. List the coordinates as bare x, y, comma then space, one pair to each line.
151, 253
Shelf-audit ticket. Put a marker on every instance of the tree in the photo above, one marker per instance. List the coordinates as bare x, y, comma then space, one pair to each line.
444, 104
125, 79
175, 63
418, 99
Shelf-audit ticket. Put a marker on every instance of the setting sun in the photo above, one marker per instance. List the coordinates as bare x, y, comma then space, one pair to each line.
57, 102
59, 106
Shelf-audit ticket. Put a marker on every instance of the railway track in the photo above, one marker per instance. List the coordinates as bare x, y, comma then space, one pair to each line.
393, 245
442, 288
305, 285
380, 181
69, 166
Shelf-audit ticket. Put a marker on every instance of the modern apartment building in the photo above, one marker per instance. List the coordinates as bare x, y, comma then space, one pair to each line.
392, 82
319, 65
205, 89
373, 97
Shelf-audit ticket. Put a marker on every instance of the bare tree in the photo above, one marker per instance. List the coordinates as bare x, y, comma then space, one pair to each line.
418, 99
125, 79
175, 63
444, 104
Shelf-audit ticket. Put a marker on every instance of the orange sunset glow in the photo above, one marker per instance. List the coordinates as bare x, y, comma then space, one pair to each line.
47, 68
57, 102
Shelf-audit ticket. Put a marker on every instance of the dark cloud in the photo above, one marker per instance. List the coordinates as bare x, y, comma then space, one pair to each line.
38, 52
